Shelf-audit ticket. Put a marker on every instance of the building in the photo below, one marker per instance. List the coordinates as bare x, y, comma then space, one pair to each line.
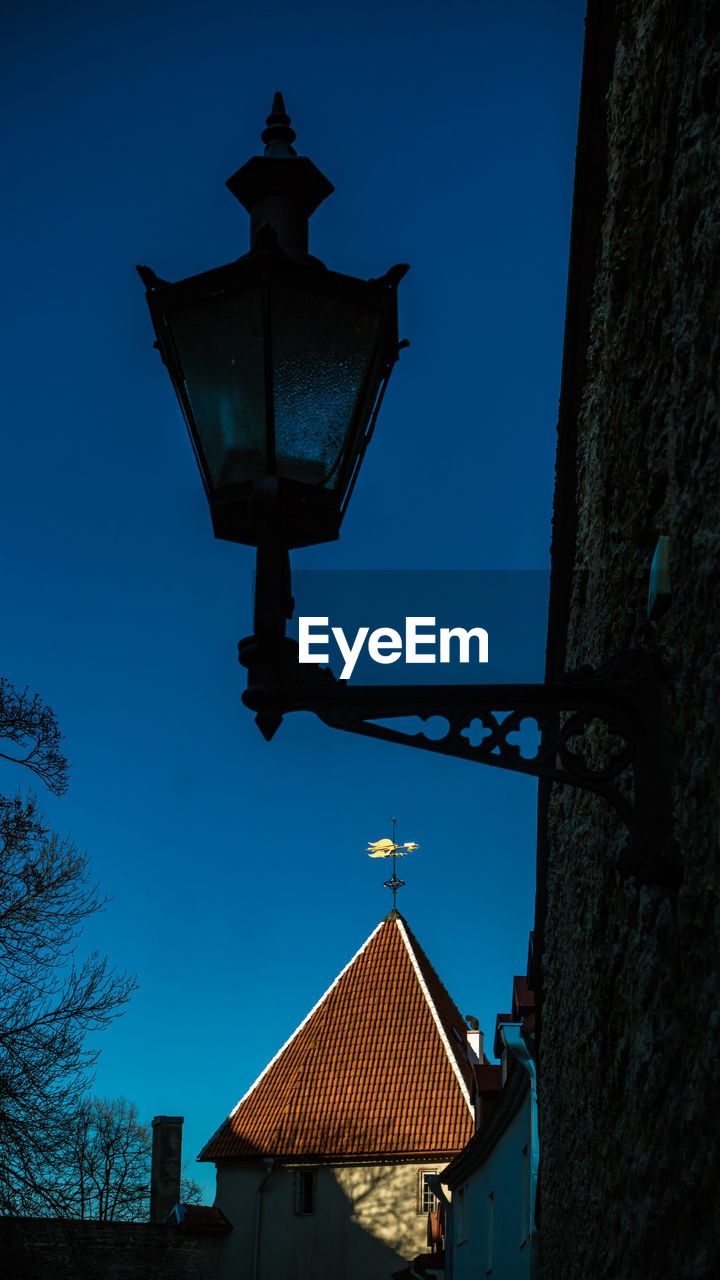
630, 1019
329, 1164
322, 1164
490, 1225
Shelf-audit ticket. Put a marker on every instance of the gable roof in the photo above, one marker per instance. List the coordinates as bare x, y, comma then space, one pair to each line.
378, 1069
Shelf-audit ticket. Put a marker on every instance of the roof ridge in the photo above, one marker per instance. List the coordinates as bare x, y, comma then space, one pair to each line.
404, 932
290, 1038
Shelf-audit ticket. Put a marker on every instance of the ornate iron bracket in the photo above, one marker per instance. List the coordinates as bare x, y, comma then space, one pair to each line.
601, 730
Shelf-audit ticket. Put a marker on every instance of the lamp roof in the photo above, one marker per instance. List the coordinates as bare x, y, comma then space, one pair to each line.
280, 171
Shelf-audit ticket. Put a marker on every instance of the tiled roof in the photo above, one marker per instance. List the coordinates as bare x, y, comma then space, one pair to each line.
378, 1069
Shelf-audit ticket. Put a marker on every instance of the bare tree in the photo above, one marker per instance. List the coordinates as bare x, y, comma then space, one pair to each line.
32, 731
49, 999
108, 1171
104, 1170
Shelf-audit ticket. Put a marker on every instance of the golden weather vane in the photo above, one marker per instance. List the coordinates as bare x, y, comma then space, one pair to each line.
390, 849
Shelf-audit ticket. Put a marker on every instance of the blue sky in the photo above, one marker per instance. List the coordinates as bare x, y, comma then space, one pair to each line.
237, 869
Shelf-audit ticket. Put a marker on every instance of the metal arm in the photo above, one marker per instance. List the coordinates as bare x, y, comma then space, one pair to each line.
620, 702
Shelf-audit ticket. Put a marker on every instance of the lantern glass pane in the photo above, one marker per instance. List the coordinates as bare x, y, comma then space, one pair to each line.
220, 348
322, 349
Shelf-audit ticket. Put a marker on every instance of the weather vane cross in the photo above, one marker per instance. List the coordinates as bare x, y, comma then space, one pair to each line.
390, 849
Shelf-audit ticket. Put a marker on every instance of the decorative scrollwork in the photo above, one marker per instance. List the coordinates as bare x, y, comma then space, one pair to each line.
622, 698
394, 883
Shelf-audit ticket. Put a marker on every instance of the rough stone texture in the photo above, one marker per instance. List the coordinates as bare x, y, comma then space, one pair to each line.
630, 1053
47, 1249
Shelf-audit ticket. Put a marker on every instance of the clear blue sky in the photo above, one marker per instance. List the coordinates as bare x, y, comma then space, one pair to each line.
237, 868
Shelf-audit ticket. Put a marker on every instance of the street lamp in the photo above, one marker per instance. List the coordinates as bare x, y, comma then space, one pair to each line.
280, 366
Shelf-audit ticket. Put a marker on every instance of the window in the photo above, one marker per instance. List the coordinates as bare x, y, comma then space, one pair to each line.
305, 1191
426, 1200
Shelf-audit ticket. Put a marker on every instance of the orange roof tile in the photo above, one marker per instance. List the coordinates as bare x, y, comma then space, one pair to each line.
377, 1070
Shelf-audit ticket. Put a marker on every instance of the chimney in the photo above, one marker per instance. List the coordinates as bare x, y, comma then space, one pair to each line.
166, 1164
474, 1039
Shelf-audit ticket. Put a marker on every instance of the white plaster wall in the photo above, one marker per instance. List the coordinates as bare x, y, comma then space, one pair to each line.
492, 1236
365, 1222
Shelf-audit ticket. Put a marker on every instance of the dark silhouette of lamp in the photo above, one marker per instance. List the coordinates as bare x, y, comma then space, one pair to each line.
279, 364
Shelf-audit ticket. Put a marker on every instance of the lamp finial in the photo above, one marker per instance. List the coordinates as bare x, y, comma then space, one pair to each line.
278, 136
279, 195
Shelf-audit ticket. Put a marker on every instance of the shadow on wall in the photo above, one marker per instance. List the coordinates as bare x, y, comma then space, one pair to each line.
358, 1220
375, 1205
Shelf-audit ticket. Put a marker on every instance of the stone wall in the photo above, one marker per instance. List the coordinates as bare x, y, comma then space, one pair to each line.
630, 1084
47, 1249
